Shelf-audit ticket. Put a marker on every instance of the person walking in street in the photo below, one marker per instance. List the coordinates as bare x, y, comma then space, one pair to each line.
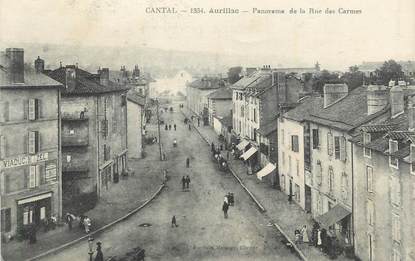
226, 200
69, 219
183, 183
99, 256
190, 128
319, 240
169, 126
174, 126
225, 209
173, 222
187, 181
198, 122
212, 147
166, 127
304, 233
187, 162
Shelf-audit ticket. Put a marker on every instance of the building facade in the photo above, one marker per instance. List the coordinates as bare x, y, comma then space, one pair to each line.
30, 169
135, 124
94, 135
219, 103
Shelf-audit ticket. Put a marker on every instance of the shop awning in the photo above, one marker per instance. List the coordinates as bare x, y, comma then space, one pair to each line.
248, 153
242, 145
265, 171
333, 216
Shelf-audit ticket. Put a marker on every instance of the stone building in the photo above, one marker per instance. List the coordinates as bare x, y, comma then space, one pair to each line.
135, 124
384, 176
30, 152
219, 103
94, 135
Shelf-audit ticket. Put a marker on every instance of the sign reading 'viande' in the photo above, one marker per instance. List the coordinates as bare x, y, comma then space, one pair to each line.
23, 160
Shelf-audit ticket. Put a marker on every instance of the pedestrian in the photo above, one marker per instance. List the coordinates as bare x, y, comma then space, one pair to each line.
198, 122
174, 126
190, 127
99, 256
225, 209
226, 200
304, 233
187, 181
316, 226
319, 240
212, 147
166, 127
69, 220
169, 126
221, 147
173, 222
187, 162
290, 198
183, 183
87, 224
164, 156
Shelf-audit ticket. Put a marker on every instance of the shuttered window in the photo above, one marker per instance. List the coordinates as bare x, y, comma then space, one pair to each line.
2, 147
370, 210
395, 191
331, 179
33, 109
396, 227
366, 140
343, 148
104, 128
369, 178
316, 140
33, 142
329, 144
337, 147
319, 171
393, 147
294, 143
32, 176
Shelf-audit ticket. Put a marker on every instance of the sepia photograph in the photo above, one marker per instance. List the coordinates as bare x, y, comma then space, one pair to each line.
207, 130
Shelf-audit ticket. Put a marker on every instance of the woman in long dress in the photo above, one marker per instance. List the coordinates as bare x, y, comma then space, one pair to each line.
304, 233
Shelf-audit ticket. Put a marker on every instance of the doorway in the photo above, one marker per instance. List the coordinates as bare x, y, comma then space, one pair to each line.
307, 199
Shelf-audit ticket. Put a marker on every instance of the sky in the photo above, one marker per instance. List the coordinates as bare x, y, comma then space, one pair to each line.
384, 30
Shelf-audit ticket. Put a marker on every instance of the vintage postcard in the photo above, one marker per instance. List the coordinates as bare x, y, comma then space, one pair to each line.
207, 130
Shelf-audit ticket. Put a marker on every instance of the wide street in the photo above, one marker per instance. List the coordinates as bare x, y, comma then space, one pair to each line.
203, 232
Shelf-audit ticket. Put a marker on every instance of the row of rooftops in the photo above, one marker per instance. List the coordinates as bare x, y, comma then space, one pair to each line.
72, 80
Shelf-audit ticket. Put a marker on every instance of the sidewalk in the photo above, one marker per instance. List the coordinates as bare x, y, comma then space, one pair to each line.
287, 216
121, 198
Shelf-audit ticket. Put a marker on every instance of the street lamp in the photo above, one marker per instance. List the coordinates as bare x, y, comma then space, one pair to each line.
90, 245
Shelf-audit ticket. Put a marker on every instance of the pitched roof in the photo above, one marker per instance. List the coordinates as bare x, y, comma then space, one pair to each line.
135, 97
85, 83
31, 79
268, 128
207, 83
251, 79
221, 94
302, 111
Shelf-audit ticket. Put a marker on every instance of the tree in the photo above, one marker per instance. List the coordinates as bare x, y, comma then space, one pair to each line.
353, 78
390, 70
319, 80
234, 74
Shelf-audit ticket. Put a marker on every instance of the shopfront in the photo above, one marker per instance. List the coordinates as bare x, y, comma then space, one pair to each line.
33, 210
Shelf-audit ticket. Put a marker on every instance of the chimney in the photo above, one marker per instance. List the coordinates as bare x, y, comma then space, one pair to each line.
70, 78
396, 100
377, 98
411, 113
15, 64
39, 65
333, 92
104, 76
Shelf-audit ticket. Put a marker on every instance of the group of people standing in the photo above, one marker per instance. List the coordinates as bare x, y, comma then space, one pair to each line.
185, 182
168, 127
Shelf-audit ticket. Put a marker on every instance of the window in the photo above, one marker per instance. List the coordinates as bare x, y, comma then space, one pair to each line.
342, 148
6, 221
329, 144
255, 117
72, 132
107, 152
369, 178
104, 128
393, 147
294, 143
33, 142
370, 212
395, 191
242, 110
34, 176
331, 179
396, 228
319, 171
28, 215
366, 140
316, 141
123, 100
68, 158
2, 146
33, 109
289, 164
337, 147
42, 213
4, 111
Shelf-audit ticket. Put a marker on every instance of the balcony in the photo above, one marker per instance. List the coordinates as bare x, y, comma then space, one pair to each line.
75, 141
75, 166
75, 116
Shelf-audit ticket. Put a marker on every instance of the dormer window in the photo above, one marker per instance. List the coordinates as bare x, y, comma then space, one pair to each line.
367, 152
393, 147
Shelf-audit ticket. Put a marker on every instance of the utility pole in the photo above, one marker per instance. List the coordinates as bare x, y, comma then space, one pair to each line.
158, 127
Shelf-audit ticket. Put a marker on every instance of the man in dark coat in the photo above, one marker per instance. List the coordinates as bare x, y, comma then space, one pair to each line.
166, 127
190, 128
169, 126
174, 126
187, 162
183, 183
187, 181
173, 222
225, 209
99, 256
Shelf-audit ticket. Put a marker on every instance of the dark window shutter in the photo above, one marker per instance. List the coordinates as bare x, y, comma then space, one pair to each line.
39, 110
25, 143
25, 109
26, 176
42, 173
7, 183
6, 111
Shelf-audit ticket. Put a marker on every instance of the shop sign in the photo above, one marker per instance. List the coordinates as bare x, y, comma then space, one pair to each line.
50, 172
23, 160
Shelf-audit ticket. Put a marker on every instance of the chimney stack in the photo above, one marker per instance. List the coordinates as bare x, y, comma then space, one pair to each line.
396, 100
39, 65
104, 76
377, 98
333, 92
15, 64
70, 78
